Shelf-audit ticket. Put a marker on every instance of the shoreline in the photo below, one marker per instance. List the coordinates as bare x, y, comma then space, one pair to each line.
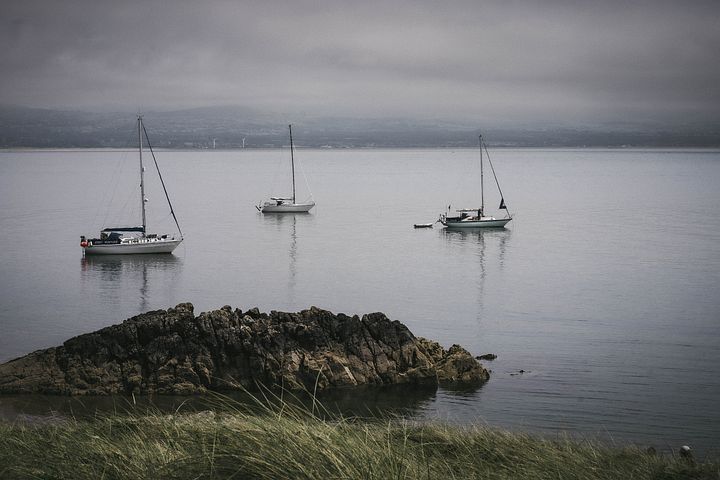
582, 148
281, 440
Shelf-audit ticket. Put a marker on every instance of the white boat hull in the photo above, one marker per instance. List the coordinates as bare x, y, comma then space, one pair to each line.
489, 223
287, 208
133, 248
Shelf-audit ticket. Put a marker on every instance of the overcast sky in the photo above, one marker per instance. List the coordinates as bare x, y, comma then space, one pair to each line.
556, 61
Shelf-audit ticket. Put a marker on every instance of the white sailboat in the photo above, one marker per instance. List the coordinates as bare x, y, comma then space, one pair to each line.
476, 217
287, 204
134, 240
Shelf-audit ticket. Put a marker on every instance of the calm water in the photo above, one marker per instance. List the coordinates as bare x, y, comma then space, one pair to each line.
605, 289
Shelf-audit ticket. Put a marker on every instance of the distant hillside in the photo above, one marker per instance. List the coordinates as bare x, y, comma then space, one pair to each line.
231, 127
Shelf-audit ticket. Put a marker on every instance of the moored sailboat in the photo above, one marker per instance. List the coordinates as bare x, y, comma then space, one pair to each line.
135, 240
287, 204
476, 217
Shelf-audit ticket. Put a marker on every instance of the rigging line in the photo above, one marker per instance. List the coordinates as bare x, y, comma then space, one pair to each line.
279, 167
461, 183
117, 175
161, 180
124, 209
113, 181
502, 197
299, 164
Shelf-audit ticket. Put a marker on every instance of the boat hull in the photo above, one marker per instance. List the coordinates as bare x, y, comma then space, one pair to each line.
287, 208
141, 246
494, 223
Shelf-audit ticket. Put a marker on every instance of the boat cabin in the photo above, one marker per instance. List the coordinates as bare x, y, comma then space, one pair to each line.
466, 214
279, 200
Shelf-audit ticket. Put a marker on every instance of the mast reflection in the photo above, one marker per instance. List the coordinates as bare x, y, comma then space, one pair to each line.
113, 277
486, 245
287, 226
483, 238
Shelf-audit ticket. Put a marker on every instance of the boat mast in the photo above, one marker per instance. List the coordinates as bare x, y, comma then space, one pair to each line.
482, 195
162, 182
142, 176
292, 162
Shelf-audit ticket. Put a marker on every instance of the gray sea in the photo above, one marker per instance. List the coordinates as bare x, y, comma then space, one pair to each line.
604, 290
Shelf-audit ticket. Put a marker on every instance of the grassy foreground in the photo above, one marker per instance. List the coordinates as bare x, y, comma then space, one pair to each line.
291, 442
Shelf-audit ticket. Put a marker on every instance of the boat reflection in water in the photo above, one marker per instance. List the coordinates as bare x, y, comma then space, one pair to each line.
283, 223
117, 279
286, 230
478, 255
479, 243
488, 246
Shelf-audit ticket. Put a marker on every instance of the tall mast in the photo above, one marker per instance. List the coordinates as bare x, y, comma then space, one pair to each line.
142, 176
292, 161
482, 195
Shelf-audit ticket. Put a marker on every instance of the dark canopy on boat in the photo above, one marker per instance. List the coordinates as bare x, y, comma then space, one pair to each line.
123, 229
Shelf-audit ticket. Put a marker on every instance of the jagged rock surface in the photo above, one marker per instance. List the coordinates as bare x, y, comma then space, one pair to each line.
173, 352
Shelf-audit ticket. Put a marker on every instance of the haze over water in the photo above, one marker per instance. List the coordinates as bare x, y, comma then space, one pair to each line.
604, 289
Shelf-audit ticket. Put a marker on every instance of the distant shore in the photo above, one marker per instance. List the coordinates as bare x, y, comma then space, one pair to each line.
330, 147
234, 127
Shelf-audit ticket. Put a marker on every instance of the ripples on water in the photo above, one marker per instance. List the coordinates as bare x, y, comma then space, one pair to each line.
604, 289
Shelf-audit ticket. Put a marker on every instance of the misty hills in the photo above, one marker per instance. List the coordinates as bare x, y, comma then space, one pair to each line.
233, 127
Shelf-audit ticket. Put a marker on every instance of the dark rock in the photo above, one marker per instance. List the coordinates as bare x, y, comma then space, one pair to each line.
488, 356
174, 352
458, 365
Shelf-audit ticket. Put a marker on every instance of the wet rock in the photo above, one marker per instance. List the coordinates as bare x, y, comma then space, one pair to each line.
458, 365
174, 352
488, 356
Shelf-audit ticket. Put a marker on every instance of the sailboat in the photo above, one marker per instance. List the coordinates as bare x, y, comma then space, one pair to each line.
135, 239
476, 217
286, 204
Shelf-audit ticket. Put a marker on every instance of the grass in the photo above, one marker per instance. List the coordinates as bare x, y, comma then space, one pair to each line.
278, 440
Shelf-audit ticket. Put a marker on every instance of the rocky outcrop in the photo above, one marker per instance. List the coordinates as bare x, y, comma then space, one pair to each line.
174, 352
488, 356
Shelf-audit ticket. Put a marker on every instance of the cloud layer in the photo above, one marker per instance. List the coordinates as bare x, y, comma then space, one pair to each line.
504, 61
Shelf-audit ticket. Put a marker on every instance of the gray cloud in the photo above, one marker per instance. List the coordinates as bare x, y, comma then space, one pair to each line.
516, 61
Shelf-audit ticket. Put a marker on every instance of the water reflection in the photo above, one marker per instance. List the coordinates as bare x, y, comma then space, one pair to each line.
287, 226
112, 266
486, 245
481, 237
462, 390
293, 251
366, 402
111, 276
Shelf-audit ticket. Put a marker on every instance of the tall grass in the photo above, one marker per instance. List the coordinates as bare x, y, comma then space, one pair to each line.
279, 439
